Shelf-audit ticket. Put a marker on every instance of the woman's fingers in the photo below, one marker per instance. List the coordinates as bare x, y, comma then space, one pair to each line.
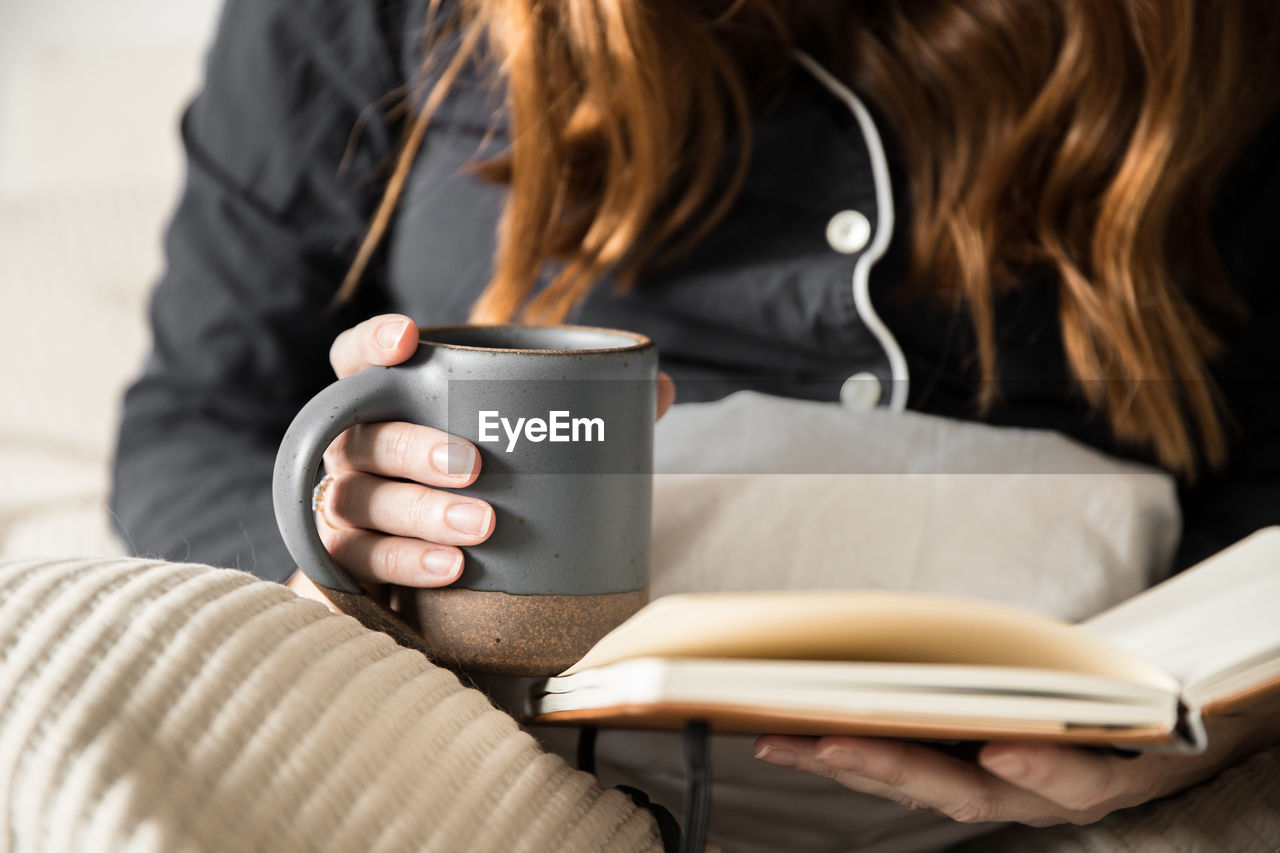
1035, 784
666, 394
407, 451
355, 499
373, 558
379, 341
910, 774
1073, 778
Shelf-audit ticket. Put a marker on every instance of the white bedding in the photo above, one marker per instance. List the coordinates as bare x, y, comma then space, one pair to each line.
757, 492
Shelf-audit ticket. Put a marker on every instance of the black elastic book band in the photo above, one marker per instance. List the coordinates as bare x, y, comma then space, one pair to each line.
697, 797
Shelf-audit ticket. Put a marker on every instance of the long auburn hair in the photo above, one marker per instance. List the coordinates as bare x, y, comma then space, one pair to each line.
1083, 137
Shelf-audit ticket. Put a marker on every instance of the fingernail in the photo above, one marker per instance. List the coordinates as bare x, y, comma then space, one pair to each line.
839, 756
777, 755
1006, 764
442, 563
453, 458
390, 332
469, 518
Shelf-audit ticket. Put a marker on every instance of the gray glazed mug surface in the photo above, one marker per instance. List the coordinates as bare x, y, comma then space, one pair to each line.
563, 417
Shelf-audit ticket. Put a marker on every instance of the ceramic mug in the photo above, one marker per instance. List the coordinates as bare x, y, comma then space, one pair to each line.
563, 418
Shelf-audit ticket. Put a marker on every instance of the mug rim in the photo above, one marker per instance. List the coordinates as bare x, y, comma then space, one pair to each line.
640, 342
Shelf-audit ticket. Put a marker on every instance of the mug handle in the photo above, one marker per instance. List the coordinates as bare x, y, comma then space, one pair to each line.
372, 395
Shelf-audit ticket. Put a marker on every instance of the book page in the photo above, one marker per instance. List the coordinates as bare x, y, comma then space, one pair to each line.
1213, 627
870, 626
995, 695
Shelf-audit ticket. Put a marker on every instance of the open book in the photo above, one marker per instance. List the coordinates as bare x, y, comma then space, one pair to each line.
1141, 675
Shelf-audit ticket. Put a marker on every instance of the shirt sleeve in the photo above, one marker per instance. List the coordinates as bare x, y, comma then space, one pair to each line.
285, 145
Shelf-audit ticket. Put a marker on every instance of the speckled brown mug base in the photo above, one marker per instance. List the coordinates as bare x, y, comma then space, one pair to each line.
497, 633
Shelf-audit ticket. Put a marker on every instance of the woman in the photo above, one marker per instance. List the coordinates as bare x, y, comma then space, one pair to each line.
1082, 194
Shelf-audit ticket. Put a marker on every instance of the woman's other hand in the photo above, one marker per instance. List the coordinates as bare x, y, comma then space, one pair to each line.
1031, 783
386, 516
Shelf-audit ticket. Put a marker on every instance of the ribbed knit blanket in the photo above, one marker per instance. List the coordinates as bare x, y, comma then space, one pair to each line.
157, 707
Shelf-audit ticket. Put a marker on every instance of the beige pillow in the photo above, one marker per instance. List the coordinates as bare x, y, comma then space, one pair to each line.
758, 492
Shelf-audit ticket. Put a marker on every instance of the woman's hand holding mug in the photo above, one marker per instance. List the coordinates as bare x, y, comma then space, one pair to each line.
377, 526
384, 530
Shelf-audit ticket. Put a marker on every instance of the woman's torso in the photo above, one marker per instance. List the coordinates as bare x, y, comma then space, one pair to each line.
766, 301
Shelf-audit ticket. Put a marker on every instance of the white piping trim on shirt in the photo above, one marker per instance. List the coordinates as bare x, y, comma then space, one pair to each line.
884, 230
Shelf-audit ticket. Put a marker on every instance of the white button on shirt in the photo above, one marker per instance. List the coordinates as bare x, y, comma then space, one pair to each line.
861, 392
848, 232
